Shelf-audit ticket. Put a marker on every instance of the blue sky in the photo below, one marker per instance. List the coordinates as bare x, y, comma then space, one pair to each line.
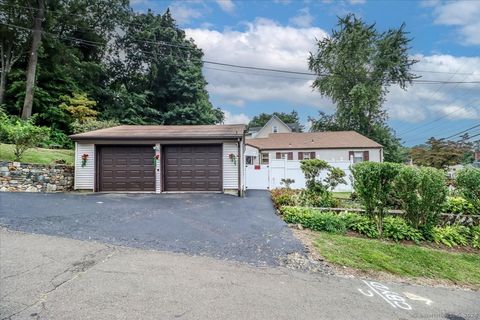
279, 34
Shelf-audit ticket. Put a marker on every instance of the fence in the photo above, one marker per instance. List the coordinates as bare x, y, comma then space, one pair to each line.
265, 177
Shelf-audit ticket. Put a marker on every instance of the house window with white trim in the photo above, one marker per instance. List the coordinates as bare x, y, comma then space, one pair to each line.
357, 156
250, 160
306, 156
274, 129
264, 159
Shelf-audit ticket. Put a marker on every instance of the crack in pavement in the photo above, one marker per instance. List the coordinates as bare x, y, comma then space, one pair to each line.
86, 263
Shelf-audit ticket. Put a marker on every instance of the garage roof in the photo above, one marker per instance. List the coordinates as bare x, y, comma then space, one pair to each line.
149, 132
313, 140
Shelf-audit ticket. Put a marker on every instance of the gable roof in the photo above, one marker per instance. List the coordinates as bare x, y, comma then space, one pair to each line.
148, 132
313, 140
274, 117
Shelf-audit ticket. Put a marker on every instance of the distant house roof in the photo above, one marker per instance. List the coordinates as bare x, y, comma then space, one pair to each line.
149, 132
313, 140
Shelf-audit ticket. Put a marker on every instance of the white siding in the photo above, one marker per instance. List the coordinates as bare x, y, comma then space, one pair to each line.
158, 176
230, 170
84, 176
268, 128
332, 155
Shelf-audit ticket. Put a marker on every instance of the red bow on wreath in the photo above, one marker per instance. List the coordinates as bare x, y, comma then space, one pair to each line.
84, 159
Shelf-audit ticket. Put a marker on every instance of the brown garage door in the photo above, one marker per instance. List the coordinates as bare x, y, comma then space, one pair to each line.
192, 168
126, 168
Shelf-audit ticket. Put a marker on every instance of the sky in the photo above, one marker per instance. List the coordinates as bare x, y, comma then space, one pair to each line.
280, 34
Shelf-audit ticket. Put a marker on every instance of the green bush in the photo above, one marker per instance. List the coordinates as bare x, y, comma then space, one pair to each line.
397, 229
422, 192
373, 185
23, 134
92, 124
314, 219
468, 182
58, 140
458, 205
360, 223
475, 236
285, 197
451, 236
319, 199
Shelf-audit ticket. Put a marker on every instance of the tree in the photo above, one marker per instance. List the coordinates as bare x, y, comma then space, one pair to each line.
12, 40
80, 107
440, 153
261, 119
355, 68
32, 59
159, 62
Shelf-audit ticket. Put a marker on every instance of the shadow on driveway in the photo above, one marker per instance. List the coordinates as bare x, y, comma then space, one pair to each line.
216, 225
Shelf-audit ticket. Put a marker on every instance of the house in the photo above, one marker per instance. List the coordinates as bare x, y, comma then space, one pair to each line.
155, 158
274, 125
332, 146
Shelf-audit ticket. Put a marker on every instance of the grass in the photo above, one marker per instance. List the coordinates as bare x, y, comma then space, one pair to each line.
400, 259
37, 155
342, 195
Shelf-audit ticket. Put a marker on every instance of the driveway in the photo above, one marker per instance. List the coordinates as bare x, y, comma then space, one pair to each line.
216, 225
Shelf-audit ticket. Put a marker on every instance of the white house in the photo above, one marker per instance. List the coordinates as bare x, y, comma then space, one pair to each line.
274, 125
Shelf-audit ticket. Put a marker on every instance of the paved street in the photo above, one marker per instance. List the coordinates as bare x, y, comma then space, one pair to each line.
45, 277
216, 225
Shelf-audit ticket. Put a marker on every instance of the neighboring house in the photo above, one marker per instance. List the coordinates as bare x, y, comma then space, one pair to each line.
161, 159
274, 125
330, 146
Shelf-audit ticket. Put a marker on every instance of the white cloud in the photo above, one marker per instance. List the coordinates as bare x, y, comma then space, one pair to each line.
463, 14
357, 1
183, 13
431, 101
263, 43
226, 5
303, 19
235, 118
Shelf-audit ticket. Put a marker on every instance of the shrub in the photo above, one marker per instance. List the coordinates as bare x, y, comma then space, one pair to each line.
468, 182
314, 219
58, 139
287, 182
23, 134
397, 229
284, 197
451, 236
422, 192
312, 168
90, 125
458, 205
373, 185
475, 236
360, 223
323, 199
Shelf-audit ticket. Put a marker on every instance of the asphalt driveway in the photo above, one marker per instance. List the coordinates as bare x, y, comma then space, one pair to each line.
216, 225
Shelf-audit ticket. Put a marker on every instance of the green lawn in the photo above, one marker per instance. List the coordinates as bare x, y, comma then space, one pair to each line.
399, 259
37, 155
342, 195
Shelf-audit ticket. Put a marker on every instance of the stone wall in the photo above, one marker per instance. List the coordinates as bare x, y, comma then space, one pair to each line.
27, 177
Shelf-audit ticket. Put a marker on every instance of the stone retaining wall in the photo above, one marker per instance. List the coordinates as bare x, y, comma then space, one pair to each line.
27, 177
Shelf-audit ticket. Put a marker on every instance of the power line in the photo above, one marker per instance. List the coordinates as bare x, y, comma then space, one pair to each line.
256, 68
461, 132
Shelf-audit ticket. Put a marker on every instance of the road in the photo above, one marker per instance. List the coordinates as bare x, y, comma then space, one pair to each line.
48, 277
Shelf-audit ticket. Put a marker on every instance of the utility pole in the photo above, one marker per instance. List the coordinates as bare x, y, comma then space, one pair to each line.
32, 60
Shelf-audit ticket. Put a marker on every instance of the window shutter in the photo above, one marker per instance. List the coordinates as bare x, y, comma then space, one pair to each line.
350, 155
300, 156
290, 156
366, 156
278, 155
312, 155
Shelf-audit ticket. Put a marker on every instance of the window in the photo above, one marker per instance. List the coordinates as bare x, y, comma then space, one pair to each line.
264, 158
274, 129
306, 155
250, 159
357, 156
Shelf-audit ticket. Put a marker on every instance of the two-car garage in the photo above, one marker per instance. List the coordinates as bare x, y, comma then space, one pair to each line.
160, 159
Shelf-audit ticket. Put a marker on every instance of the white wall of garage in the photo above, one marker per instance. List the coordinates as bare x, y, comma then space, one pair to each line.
84, 176
230, 169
